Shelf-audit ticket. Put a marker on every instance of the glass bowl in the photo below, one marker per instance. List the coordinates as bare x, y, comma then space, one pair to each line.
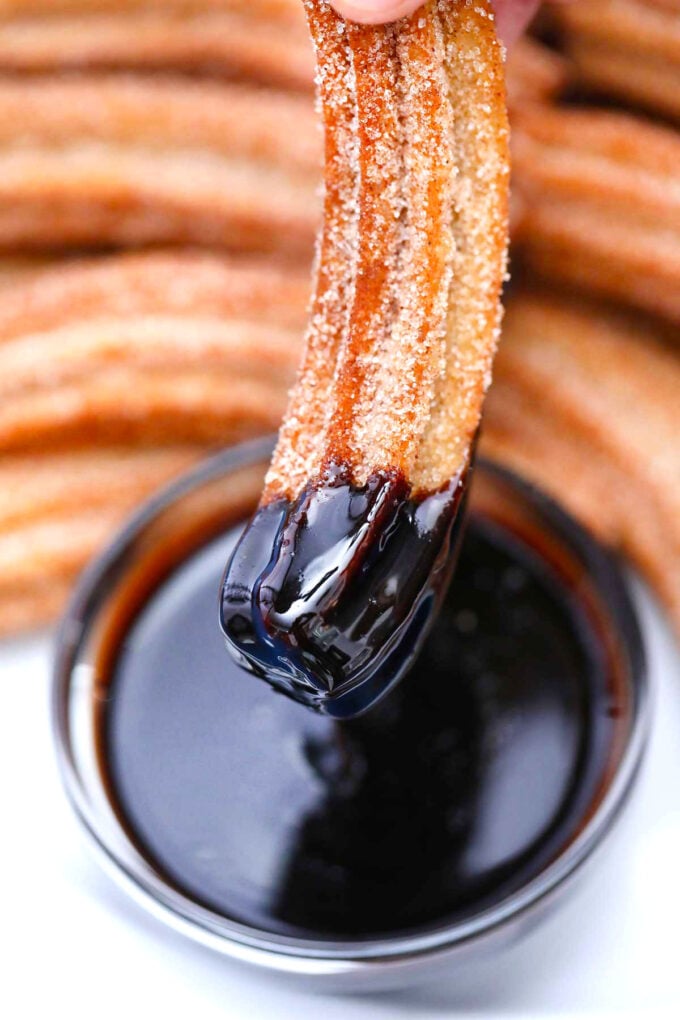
180, 521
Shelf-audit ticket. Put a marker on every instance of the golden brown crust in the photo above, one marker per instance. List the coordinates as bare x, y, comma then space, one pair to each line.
535, 73
148, 347
411, 256
585, 402
25, 609
629, 49
262, 42
125, 160
601, 205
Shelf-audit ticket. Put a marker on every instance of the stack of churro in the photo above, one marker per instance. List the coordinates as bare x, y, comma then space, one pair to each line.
626, 49
116, 373
159, 170
259, 40
585, 403
600, 195
101, 160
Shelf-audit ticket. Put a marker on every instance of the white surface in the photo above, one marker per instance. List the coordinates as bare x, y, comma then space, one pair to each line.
75, 947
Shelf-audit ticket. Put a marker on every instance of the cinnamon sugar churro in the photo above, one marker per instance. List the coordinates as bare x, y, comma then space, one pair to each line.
147, 348
56, 512
534, 73
35, 486
25, 609
628, 49
185, 283
601, 203
121, 160
585, 402
131, 406
155, 309
263, 42
368, 472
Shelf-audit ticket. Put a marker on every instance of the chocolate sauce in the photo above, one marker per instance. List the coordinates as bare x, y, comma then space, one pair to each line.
463, 783
329, 598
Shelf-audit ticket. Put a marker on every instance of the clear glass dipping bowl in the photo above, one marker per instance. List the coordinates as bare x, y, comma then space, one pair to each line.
187, 515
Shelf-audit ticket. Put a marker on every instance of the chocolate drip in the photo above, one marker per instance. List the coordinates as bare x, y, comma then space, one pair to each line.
329, 597
460, 787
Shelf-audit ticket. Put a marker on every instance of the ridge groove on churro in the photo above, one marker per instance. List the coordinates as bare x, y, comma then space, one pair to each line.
121, 159
341, 566
259, 41
601, 198
165, 347
585, 402
628, 49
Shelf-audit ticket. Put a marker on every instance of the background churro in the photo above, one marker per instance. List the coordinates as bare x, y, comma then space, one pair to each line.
600, 192
586, 404
262, 41
118, 160
186, 128
626, 49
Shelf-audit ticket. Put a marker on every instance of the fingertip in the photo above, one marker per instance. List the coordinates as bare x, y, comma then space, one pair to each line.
375, 12
512, 17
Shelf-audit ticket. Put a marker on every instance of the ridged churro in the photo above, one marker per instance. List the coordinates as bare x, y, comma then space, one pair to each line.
585, 402
48, 295
263, 42
57, 511
33, 487
534, 73
628, 49
157, 312
121, 160
601, 203
405, 313
403, 326
147, 348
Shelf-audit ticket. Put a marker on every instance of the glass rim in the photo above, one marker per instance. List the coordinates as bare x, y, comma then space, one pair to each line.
320, 957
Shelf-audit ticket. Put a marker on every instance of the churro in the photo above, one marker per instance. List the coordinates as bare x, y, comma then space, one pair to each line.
121, 160
377, 437
261, 42
48, 295
56, 511
601, 203
129, 405
535, 73
627, 49
145, 347
585, 402
405, 313
24, 609
151, 311
35, 486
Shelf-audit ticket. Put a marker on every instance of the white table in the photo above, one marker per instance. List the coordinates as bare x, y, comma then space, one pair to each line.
75, 947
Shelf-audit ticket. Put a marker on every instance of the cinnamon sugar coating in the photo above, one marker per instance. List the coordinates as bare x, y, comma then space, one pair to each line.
411, 256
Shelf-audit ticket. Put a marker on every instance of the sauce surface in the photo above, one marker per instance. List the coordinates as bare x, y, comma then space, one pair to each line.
329, 598
458, 787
